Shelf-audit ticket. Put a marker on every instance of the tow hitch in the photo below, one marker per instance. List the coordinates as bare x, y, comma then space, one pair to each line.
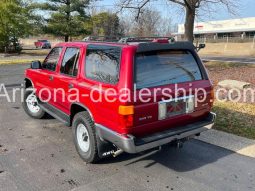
179, 143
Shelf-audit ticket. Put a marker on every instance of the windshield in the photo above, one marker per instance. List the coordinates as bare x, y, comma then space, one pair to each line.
165, 67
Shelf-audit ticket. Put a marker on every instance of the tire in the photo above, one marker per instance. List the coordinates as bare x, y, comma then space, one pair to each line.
84, 136
30, 104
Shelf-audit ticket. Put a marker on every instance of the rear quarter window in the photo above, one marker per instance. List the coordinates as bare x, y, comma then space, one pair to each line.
103, 63
165, 67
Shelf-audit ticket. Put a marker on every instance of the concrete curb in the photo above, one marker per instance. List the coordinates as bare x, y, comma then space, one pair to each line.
228, 141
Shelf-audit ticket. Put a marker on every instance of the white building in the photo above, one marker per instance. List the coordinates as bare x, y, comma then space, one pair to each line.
225, 28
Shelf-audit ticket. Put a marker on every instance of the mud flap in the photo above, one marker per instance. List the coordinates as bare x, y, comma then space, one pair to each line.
105, 148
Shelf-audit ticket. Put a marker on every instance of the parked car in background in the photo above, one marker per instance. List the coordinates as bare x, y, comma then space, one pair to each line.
43, 44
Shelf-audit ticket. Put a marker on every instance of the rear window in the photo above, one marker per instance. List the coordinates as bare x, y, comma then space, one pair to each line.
165, 67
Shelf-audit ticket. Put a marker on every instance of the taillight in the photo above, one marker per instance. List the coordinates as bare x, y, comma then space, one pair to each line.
126, 121
126, 110
126, 116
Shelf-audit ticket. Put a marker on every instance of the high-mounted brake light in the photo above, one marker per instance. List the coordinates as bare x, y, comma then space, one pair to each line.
161, 40
126, 110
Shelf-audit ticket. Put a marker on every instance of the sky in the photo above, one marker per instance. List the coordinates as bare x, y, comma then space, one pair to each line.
246, 9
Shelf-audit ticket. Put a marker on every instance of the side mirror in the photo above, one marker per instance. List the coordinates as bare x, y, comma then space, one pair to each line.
36, 65
200, 46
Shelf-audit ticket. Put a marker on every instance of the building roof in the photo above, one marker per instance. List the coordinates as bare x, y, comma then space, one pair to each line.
223, 26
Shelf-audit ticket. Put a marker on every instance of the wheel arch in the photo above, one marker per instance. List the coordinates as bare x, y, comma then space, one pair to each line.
28, 83
76, 108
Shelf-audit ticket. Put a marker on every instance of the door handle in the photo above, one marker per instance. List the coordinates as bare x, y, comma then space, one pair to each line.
70, 86
51, 78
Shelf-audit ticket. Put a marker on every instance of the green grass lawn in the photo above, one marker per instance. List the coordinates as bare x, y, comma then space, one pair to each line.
21, 61
36, 52
236, 118
26, 56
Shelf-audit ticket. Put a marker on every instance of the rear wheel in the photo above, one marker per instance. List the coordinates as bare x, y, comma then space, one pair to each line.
85, 137
30, 104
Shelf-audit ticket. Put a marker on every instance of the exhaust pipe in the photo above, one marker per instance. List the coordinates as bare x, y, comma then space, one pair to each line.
117, 153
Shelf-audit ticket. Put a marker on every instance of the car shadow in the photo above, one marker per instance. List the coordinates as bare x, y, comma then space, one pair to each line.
193, 155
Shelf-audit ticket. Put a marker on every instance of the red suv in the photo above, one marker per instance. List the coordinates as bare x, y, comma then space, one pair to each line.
122, 97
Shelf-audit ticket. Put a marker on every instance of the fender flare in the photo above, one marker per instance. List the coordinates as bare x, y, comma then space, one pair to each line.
85, 107
24, 83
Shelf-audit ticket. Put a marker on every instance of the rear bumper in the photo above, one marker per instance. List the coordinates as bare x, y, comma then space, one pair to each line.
131, 144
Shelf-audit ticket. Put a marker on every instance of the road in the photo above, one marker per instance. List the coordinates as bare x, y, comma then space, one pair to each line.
12, 74
40, 155
248, 60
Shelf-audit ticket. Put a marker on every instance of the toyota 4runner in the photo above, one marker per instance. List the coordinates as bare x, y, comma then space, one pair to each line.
121, 97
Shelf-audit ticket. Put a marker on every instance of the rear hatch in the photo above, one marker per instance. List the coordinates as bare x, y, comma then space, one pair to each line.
171, 88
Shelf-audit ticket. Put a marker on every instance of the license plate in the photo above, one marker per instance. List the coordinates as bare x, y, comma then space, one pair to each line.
174, 107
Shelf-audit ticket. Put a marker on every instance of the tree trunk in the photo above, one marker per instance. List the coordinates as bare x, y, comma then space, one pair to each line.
66, 38
189, 24
68, 14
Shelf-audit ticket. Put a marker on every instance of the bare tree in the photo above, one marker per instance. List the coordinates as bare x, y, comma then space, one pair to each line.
126, 24
165, 27
147, 23
191, 7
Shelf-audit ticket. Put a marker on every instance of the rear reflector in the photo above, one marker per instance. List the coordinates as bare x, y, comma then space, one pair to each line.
126, 121
126, 110
212, 94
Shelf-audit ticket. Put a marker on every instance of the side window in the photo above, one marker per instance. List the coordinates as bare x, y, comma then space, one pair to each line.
69, 64
51, 60
102, 63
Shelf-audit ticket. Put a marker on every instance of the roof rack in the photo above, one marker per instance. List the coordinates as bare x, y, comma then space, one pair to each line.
102, 38
127, 40
146, 39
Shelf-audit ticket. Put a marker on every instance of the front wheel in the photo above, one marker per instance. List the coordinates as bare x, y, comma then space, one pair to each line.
30, 104
85, 137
